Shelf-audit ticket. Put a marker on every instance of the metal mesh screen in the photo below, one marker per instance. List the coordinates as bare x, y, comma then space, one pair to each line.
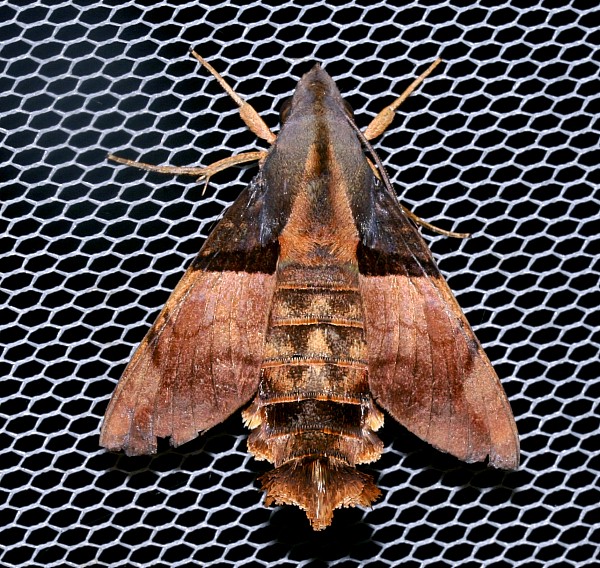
502, 141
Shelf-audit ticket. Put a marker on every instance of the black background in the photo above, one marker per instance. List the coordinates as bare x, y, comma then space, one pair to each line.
502, 141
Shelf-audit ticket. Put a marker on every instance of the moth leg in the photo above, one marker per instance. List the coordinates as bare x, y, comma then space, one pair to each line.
378, 126
416, 219
385, 117
204, 174
252, 119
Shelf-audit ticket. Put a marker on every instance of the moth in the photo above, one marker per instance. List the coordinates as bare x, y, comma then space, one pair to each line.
314, 304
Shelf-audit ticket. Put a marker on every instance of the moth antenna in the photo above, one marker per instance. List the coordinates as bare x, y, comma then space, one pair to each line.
382, 175
250, 117
379, 124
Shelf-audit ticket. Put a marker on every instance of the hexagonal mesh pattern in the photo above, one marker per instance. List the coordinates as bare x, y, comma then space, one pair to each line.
501, 141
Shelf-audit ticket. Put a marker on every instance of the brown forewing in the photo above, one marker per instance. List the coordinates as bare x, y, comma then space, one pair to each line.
426, 367
199, 363
201, 359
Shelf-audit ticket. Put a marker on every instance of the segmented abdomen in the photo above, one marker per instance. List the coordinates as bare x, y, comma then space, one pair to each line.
313, 396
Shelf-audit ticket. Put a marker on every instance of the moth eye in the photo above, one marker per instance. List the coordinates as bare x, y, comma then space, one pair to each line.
285, 110
349, 110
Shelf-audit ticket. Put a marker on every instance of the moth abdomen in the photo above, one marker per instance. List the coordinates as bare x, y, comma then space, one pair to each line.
313, 417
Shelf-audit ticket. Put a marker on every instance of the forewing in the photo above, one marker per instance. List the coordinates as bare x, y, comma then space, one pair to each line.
426, 367
201, 360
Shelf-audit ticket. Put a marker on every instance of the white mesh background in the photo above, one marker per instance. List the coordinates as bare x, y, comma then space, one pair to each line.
501, 141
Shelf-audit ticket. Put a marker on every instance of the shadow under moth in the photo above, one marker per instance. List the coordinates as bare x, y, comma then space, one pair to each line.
314, 303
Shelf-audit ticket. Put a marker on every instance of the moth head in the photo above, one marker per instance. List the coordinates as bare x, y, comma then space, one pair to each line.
317, 90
